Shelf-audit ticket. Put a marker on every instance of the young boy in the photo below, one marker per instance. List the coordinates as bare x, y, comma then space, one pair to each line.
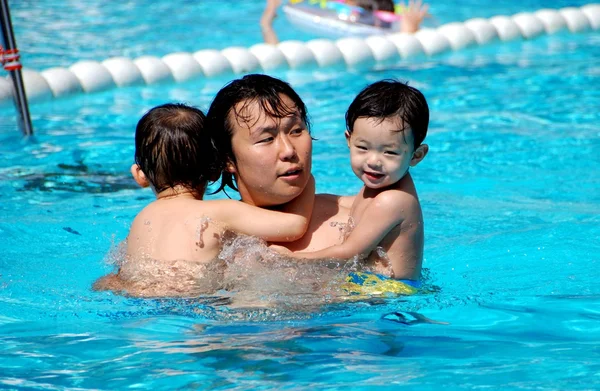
387, 123
176, 158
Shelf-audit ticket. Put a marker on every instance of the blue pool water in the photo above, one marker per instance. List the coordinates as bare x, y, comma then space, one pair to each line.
510, 193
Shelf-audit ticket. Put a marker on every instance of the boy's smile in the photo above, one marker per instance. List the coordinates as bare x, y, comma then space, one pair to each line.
373, 176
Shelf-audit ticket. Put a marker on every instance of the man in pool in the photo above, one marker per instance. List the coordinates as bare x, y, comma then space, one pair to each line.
260, 126
412, 15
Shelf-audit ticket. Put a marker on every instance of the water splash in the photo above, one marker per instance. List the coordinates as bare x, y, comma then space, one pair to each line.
251, 282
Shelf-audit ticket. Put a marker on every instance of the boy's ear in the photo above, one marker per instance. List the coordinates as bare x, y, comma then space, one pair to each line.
347, 134
230, 167
419, 154
139, 176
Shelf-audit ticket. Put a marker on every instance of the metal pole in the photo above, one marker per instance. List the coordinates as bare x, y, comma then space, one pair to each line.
15, 70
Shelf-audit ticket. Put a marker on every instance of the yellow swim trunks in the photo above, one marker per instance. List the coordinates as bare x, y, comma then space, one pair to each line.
365, 283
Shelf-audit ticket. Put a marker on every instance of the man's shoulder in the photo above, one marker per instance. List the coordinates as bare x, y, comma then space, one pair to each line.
330, 208
329, 215
327, 198
333, 201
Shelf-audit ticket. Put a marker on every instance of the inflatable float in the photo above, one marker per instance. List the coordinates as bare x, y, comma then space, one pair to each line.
335, 18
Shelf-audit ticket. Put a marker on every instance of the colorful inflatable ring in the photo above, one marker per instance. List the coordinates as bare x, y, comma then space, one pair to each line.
334, 18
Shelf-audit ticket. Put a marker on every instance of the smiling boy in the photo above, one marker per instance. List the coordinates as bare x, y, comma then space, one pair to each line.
386, 125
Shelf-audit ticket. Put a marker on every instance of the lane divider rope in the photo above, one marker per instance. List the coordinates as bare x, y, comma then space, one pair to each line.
91, 76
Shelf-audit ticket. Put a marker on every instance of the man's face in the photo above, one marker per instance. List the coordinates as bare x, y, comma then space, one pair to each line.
273, 155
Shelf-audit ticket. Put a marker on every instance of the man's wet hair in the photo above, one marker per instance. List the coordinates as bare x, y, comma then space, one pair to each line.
265, 90
388, 99
173, 148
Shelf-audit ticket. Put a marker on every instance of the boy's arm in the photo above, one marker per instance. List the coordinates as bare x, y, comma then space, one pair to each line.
378, 220
270, 225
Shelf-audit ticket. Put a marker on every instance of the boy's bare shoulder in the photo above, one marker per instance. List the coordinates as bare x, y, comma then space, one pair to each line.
149, 212
404, 192
170, 212
396, 197
397, 201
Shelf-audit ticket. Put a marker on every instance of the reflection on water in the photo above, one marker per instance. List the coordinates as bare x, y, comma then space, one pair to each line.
75, 178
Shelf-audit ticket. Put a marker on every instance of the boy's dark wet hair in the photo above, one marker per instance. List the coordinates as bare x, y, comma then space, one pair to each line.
391, 98
173, 148
265, 90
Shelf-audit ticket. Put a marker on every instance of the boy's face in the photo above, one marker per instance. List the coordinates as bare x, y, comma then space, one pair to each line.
381, 152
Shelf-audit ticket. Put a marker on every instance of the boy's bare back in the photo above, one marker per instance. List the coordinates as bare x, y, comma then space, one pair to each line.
171, 250
171, 229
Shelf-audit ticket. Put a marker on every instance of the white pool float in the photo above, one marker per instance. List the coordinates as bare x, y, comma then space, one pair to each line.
336, 19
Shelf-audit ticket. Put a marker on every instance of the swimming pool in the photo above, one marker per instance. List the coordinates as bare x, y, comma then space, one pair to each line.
510, 193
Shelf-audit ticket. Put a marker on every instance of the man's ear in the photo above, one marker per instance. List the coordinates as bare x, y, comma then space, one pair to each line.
347, 134
139, 176
419, 154
230, 167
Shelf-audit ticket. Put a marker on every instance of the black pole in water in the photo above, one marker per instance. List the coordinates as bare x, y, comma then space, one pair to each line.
13, 66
